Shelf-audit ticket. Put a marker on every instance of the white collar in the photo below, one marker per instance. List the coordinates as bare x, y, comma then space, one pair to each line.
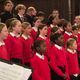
35, 29
69, 50
58, 47
42, 37
40, 56
79, 32
20, 15
68, 33
53, 26
12, 34
2, 43
25, 37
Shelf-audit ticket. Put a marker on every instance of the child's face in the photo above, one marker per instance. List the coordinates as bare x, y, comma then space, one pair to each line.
43, 48
18, 27
75, 32
61, 40
44, 31
4, 33
69, 27
74, 46
22, 11
28, 30
9, 6
37, 23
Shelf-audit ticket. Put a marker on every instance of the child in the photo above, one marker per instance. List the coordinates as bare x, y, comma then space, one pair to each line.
3, 36
72, 60
53, 23
27, 42
42, 32
39, 62
34, 31
20, 8
75, 32
58, 61
68, 31
13, 43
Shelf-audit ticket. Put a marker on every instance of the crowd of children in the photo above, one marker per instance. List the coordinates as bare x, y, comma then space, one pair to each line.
51, 49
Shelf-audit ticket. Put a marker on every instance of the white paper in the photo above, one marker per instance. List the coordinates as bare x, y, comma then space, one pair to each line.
13, 72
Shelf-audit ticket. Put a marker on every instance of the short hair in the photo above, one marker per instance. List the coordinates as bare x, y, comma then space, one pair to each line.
41, 13
30, 9
37, 44
7, 1
54, 37
70, 42
19, 7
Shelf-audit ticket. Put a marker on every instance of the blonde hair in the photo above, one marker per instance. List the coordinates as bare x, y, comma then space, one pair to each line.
30, 9
1, 26
70, 42
25, 25
19, 7
13, 24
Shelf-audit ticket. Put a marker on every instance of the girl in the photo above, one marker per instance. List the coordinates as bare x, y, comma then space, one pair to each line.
39, 62
34, 31
72, 60
3, 36
58, 62
42, 32
53, 23
13, 43
68, 31
27, 42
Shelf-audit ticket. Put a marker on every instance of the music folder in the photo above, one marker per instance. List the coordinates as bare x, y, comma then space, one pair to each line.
11, 71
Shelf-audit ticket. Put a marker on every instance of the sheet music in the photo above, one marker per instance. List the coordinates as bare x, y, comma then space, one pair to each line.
13, 72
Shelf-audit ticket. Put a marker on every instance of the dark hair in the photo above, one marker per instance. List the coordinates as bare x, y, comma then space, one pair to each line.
50, 19
54, 29
7, 1
54, 37
37, 44
39, 28
35, 19
74, 28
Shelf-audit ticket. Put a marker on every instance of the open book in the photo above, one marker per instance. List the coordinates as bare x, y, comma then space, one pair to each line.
11, 71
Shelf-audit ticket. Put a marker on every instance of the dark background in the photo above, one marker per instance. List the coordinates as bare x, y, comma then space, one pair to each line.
48, 5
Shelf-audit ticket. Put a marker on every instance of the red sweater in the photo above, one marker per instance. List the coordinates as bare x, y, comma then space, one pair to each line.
78, 42
48, 45
3, 53
40, 68
67, 36
14, 47
33, 34
49, 32
58, 59
72, 63
27, 52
